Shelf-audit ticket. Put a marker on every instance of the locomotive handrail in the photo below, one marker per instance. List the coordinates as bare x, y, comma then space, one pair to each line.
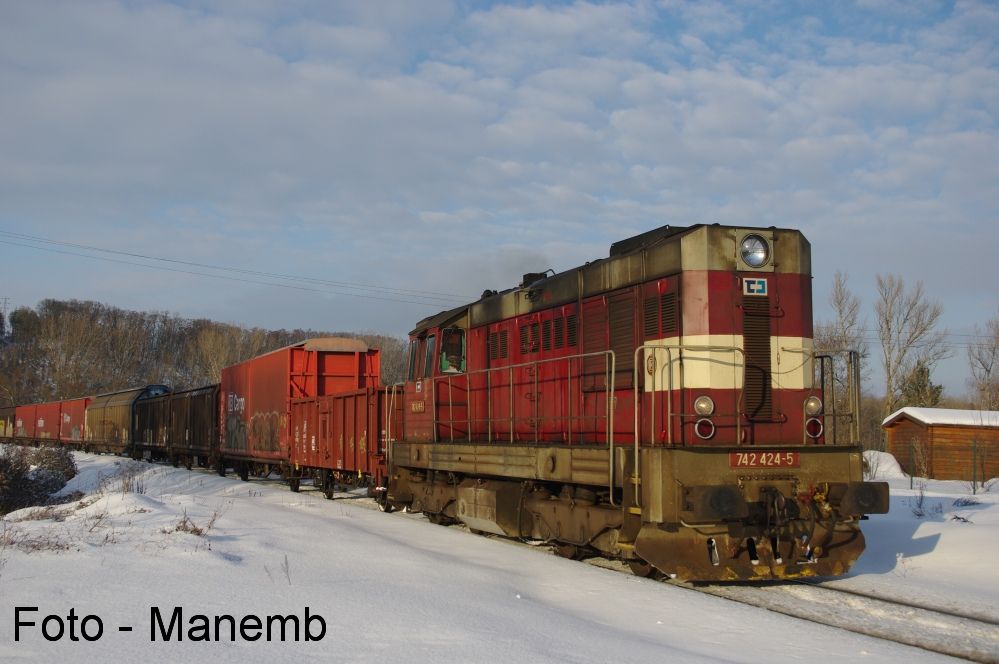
852, 386
668, 368
610, 388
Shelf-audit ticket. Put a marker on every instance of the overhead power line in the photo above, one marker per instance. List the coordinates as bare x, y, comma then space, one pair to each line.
365, 291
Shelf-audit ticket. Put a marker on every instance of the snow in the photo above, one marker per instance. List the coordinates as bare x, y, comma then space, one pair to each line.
944, 558
392, 587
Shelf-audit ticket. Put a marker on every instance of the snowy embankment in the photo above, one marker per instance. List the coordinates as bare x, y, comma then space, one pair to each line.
935, 547
395, 588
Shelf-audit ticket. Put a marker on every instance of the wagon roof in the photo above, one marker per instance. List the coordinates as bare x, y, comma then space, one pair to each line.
951, 416
326, 344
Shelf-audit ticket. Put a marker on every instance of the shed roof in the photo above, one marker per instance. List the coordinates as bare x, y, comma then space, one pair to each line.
951, 416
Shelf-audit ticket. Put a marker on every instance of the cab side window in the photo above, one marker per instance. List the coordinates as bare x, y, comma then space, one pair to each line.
453, 351
414, 349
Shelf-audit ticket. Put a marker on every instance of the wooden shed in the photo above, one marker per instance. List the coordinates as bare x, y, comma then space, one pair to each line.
945, 443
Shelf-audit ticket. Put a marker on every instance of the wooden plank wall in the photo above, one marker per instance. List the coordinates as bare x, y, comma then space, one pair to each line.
947, 450
904, 437
952, 452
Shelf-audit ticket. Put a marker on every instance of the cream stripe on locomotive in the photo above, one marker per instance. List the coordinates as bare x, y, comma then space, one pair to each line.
792, 363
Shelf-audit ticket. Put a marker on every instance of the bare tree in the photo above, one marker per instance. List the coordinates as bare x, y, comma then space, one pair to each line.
845, 332
983, 360
907, 331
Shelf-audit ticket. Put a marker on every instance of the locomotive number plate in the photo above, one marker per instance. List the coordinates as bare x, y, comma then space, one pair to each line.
764, 459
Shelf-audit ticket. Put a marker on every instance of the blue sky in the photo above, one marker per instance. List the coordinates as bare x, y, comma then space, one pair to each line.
429, 150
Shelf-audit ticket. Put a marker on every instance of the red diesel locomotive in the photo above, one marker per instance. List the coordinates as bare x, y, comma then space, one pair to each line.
661, 406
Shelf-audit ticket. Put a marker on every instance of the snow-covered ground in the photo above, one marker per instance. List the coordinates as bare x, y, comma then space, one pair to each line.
936, 547
393, 588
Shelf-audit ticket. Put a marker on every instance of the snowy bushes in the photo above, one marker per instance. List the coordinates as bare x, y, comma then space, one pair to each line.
30, 476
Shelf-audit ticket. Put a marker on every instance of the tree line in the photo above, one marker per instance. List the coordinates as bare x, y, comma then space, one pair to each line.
909, 345
66, 349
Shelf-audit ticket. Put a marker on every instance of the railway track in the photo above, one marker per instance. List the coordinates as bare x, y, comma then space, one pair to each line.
958, 634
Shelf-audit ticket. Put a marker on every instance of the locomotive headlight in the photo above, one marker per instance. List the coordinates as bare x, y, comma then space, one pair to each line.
703, 405
813, 405
755, 251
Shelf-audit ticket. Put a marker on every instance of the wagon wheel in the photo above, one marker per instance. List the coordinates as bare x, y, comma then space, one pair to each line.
244, 471
328, 485
295, 484
220, 467
385, 506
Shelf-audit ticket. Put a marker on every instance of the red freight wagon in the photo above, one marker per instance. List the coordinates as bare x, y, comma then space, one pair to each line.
344, 435
24, 421
73, 419
256, 395
47, 418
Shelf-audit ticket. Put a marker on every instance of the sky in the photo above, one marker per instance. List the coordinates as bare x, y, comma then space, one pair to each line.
356, 166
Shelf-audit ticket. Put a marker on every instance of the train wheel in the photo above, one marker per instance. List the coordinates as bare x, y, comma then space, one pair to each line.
385, 506
244, 471
294, 484
570, 551
220, 467
642, 569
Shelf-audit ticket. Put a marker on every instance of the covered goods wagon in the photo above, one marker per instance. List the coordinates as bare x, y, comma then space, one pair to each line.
73, 420
111, 420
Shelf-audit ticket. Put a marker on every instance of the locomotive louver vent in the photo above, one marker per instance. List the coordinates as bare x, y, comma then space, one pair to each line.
546, 335
559, 332
651, 318
756, 339
621, 321
572, 322
529, 342
660, 316
594, 340
669, 319
493, 342
503, 349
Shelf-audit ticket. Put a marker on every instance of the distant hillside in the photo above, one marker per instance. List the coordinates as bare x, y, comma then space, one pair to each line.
64, 349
